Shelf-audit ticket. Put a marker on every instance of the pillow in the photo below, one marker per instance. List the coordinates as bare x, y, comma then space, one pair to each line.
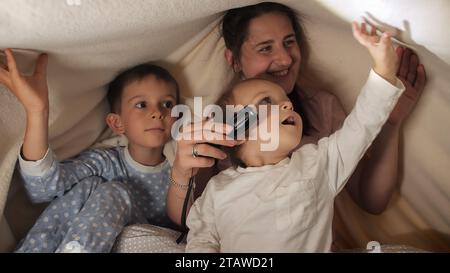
145, 238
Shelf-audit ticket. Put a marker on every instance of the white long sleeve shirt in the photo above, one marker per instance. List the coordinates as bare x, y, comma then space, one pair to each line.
288, 207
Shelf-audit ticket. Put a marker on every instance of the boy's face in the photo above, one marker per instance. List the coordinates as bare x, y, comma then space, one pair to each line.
145, 112
262, 92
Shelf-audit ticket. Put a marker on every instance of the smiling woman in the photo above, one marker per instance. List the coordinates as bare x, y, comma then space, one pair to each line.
267, 40
269, 49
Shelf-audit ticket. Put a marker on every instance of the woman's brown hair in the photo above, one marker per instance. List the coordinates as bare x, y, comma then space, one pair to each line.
235, 24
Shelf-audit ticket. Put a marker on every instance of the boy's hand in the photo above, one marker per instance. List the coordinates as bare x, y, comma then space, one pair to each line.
32, 91
381, 49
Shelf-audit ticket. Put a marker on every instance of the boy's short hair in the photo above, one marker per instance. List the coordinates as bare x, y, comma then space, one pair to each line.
133, 74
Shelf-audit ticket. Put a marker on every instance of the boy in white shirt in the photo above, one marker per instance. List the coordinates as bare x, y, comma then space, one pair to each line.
281, 202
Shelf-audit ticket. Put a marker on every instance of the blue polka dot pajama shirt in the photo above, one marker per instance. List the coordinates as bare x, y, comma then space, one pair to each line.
93, 196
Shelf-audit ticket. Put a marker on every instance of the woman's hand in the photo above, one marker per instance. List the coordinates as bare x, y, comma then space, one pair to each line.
193, 152
31, 91
198, 137
413, 76
381, 50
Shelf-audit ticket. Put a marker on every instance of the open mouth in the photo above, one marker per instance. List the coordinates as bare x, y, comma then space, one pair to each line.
280, 73
289, 121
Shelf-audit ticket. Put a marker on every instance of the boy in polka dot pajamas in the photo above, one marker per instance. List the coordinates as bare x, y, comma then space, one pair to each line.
96, 194
93, 212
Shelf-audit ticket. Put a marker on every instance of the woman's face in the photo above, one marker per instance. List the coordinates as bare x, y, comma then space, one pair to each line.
271, 50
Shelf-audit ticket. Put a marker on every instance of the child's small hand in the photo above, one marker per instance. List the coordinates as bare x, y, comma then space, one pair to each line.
381, 49
31, 91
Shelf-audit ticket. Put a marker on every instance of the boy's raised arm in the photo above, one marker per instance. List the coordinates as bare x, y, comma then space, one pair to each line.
32, 92
380, 48
372, 109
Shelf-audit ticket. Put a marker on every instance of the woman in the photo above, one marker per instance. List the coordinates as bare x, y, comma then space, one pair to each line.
268, 40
